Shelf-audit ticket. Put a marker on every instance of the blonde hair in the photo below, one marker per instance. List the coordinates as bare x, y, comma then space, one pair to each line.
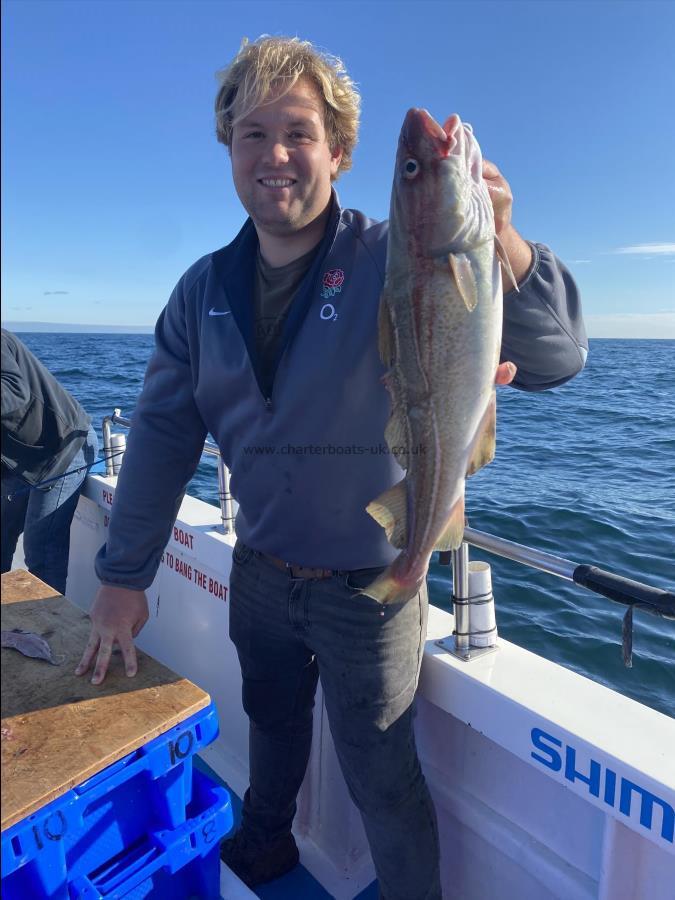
272, 61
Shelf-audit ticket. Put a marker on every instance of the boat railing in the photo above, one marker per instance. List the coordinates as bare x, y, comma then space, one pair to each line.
113, 450
632, 594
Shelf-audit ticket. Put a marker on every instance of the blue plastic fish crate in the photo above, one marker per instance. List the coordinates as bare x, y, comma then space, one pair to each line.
147, 826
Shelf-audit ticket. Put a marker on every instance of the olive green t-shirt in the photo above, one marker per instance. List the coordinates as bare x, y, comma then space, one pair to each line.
273, 292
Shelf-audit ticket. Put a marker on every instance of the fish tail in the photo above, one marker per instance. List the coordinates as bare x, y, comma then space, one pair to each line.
390, 588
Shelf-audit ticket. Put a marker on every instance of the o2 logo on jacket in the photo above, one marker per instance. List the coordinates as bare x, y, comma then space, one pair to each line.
332, 283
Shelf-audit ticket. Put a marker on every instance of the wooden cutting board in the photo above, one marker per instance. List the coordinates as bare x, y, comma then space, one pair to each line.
59, 729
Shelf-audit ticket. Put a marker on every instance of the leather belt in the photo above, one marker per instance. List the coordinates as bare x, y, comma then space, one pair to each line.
297, 571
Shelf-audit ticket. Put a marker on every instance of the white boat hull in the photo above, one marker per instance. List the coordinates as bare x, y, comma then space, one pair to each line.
546, 784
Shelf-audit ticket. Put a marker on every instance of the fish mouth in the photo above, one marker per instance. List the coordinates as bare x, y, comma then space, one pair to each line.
455, 131
465, 146
420, 126
432, 128
453, 141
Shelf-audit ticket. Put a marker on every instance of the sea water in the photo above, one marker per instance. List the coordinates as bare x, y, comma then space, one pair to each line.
585, 471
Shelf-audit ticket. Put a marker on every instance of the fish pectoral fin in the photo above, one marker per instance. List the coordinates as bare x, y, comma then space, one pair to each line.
483, 447
396, 436
453, 535
462, 272
506, 262
385, 327
390, 510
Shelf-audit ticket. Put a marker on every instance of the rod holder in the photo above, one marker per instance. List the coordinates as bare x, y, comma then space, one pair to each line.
225, 497
475, 631
118, 444
113, 443
482, 621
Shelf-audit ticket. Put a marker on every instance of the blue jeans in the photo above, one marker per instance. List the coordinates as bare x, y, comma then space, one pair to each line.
44, 515
288, 632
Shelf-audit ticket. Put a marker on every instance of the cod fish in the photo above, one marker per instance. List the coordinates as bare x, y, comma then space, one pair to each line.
440, 324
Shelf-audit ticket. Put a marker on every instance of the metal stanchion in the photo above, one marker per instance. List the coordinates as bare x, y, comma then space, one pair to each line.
225, 497
466, 591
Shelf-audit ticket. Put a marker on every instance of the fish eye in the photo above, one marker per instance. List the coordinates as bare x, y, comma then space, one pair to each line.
410, 168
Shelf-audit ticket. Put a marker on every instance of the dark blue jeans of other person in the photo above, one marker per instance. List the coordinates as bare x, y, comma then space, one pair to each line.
288, 632
44, 516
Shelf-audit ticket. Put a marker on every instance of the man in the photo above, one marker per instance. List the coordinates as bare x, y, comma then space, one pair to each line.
47, 445
270, 344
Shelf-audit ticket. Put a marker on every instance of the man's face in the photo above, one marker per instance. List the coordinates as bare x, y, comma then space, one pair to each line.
281, 161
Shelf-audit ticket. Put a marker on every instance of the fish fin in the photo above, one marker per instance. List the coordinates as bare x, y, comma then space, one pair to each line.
390, 510
453, 535
483, 448
460, 266
385, 327
506, 262
387, 589
396, 437
395, 433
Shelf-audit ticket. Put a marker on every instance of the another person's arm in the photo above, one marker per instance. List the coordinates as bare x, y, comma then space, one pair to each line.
15, 390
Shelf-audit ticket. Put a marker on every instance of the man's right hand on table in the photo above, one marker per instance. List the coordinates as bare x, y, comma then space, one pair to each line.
117, 616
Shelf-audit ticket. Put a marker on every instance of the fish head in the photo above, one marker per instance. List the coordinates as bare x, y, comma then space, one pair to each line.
439, 197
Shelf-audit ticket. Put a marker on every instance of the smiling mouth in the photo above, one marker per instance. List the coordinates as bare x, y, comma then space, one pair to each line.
277, 182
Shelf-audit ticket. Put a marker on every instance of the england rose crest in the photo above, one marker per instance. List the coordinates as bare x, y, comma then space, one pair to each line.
332, 283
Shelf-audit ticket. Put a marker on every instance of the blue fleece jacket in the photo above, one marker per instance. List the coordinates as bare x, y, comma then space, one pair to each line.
307, 456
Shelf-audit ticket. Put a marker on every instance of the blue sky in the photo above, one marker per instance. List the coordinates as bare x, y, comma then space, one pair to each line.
113, 182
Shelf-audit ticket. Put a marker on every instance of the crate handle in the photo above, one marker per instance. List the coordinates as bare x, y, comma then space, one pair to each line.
141, 860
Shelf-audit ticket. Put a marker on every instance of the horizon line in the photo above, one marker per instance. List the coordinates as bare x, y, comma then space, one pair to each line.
23, 327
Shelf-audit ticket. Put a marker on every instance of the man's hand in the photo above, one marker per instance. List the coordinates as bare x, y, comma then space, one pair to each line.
518, 251
506, 372
117, 616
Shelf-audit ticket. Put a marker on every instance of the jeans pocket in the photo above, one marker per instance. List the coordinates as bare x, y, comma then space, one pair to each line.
361, 578
241, 553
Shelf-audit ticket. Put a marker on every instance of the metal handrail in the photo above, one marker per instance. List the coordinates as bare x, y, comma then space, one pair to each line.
210, 449
615, 587
623, 590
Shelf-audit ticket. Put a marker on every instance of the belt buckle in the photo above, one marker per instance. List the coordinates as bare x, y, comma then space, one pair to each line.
294, 570
306, 572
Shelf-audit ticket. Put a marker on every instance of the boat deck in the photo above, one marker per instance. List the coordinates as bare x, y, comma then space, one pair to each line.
298, 883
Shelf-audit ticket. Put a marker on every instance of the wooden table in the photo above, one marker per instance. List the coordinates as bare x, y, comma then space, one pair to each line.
58, 729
